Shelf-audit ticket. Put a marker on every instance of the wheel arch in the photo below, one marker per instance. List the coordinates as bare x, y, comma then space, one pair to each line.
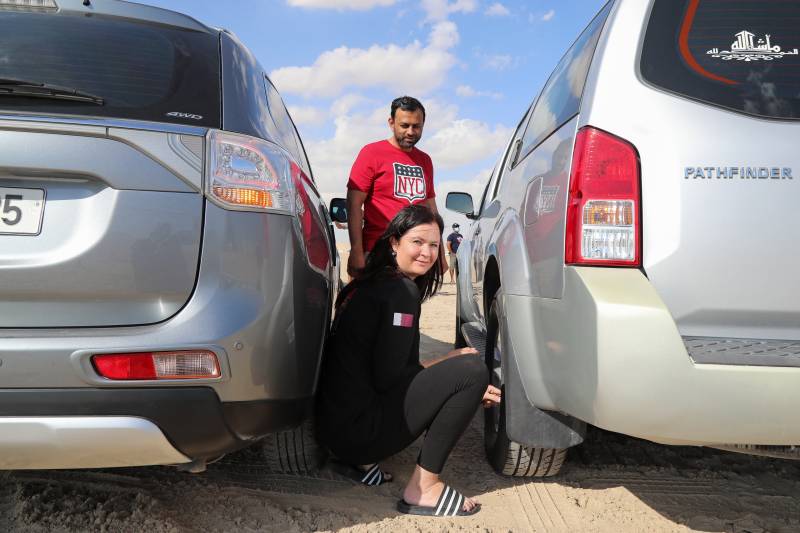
508, 251
509, 278
491, 283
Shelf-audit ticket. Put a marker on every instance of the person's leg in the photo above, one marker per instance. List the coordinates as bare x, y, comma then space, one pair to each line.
463, 380
451, 266
441, 399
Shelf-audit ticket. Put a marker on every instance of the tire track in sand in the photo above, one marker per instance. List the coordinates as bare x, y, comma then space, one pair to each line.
540, 506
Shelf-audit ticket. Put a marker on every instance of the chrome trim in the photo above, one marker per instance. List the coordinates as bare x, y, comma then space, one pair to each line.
45, 442
110, 123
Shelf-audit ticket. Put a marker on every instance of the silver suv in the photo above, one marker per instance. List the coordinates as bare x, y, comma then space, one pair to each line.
166, 263
630, 265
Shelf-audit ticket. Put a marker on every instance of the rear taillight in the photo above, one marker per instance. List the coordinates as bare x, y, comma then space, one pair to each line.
603, 211
187, 364
248, 173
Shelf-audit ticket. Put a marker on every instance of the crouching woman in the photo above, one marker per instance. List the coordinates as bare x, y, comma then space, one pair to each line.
375, 396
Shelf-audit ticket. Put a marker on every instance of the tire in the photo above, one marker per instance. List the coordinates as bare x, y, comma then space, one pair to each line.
294, 451
507, 457
460, 341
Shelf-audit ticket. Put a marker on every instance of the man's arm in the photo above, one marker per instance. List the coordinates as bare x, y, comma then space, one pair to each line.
355, 228
431, 203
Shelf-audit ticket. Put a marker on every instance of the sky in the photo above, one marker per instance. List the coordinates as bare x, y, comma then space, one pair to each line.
476, 65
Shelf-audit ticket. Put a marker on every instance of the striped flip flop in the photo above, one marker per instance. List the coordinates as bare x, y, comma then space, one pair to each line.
372, 476
449, 504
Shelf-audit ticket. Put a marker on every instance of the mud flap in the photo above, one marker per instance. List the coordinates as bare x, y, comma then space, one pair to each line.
529, 425
525, 423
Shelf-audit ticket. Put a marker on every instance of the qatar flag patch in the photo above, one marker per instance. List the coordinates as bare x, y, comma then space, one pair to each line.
404, 320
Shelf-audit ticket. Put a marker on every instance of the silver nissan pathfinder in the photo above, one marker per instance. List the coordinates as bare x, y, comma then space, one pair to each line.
631, 264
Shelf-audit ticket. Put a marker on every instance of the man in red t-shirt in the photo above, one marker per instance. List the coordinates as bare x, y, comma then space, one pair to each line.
386, 177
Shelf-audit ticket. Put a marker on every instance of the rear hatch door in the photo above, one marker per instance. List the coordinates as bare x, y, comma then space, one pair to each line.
721, 187
101, 216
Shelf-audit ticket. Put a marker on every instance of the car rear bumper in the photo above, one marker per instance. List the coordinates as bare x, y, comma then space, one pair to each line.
82, 428
609, 354
41, 442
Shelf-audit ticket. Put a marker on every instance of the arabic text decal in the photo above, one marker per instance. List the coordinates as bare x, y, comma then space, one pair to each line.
747, 48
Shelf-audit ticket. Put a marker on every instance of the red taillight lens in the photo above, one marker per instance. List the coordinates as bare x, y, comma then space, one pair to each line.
125, 366
189, 364
603, 210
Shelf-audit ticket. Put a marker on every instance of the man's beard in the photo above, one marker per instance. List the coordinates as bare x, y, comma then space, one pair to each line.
404, 142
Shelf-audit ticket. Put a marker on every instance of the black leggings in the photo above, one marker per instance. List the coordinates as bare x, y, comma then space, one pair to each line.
441, 399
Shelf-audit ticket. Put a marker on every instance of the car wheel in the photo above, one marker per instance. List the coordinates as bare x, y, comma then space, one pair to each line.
460, 341
506, 456
294, 451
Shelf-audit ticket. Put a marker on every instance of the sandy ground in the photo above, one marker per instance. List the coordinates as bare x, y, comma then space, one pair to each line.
611, 483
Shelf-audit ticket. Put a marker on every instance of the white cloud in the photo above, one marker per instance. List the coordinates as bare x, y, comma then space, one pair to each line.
465, 141
332, 158
474, 187
343, 105
549, 15
413, 69
576, 74
437, 10
341, 5
498, 62
307, 115
497, 10
444, 35
543, 118
451, 142
468, 92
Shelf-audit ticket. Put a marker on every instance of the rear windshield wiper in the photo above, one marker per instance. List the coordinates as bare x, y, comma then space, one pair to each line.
32, 89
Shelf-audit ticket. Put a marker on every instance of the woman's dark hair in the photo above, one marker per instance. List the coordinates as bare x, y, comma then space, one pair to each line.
381, 263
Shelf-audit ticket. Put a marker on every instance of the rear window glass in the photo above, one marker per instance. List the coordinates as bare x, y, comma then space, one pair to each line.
141, 70
740, 55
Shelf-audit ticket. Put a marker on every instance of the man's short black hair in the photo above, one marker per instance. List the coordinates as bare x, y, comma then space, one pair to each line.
407, 103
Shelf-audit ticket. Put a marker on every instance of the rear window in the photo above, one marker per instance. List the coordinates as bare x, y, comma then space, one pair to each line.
740, 55
141, 70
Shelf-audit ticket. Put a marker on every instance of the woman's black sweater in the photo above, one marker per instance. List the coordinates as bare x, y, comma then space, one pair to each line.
373, 348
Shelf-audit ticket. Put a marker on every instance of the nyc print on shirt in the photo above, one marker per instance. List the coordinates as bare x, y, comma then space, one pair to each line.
409, 182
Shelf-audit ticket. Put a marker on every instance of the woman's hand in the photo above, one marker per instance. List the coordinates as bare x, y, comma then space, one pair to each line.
491, 396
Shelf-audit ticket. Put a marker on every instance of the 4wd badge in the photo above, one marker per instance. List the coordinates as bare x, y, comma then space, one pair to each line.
409, 182
178, 114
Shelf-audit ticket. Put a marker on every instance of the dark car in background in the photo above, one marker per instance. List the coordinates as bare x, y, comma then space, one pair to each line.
167, 265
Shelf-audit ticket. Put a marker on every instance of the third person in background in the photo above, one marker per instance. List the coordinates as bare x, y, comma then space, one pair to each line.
387, 176
453, 242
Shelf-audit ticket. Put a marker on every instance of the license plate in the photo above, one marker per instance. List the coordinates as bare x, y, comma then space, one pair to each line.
21, 211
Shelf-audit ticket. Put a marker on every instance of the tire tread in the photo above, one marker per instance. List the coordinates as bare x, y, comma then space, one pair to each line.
294, 451
530, 461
